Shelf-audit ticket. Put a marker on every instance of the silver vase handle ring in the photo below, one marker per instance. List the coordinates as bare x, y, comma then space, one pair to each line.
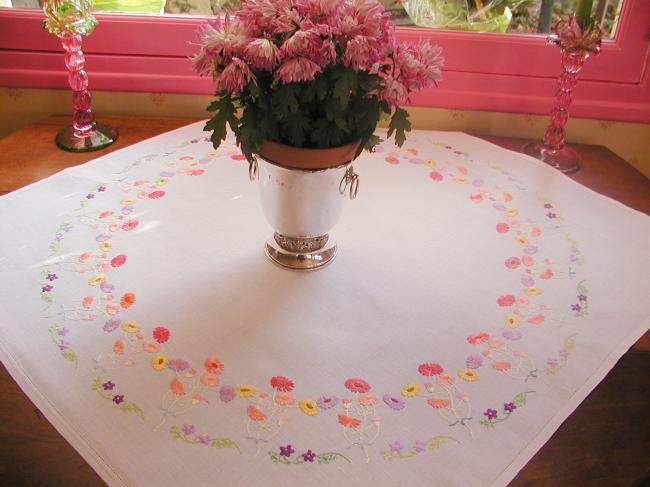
350, 178
252, 168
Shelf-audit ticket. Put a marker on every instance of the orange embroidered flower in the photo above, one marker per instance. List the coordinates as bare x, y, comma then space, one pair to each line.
159, 361
285, 399
348, 421
127, 300
118, 347
87, 302
209, 380
213, 365
255, 413
245, 391
309, 407
469, 375
536, 320
280, 383
177, 387
501, 366
150, 347
477, 338
411, 390
368, 400
357, 385
438, 403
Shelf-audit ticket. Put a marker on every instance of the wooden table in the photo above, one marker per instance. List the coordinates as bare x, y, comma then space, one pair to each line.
605, 442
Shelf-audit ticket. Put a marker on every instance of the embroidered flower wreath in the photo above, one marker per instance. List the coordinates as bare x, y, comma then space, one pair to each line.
311, 73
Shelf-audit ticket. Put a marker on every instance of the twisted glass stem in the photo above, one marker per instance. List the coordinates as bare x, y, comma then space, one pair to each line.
83, 118
572, 62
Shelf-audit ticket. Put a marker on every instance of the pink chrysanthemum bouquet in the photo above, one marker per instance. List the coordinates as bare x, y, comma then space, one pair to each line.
311, 73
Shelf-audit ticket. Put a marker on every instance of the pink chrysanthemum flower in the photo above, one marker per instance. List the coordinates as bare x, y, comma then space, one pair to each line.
262, 53
394, 92
234, 76
297, 69
224, 38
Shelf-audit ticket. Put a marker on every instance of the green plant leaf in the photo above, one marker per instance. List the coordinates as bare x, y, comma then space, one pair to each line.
346, 85
399, 124
285, 100
225, 113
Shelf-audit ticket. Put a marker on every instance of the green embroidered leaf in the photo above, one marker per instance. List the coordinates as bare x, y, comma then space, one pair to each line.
96, 385
225, 113
176, 432
520, 399
70, 355
329, 457
486, 423
224, 443
582, 289
47, 297
129, 407
399, 124
569, 343
54, 246
277, 458
83, 203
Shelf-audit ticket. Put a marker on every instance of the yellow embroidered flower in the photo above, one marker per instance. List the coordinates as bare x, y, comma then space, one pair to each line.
245, 391
521, 240
411, 390
96, 280
511, 321
532, 291
460, 180
470, 375
128, 201
430, 163
159, 361
130, 327
309, 407
105, 246
162, 181
511, 212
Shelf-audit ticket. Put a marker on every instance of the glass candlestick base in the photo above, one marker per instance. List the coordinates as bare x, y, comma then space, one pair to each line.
98, 137
565, 160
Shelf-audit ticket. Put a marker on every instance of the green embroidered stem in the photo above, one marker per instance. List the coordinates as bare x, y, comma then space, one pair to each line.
124, 406
508, 409
582, 306
321, 459
420, 447
65, 352
178, 434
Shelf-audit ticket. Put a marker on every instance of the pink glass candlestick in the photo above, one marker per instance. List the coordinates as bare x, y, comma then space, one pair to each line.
69, 20
576, 45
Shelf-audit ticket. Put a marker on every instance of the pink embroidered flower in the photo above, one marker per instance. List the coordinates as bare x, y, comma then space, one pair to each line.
177, 387
438, 403
194, 172
445, 380
527, 260
255, 413
280, 383
502, 227
368, 400
285, 399
118, 347
477, 338
87, 302
160, 334
130, 225
496, 342
506, 300
150, 347
348, 421
513, 262
154, 195
537, 319
213, 365
435, 175
501, 366
357, 385
209, 380
430, 368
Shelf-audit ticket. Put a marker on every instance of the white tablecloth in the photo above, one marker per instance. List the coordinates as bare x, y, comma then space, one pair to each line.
477, 298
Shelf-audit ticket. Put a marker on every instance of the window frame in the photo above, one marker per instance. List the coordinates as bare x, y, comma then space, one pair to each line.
483, 71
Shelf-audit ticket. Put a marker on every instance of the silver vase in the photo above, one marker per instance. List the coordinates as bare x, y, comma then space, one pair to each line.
302, 206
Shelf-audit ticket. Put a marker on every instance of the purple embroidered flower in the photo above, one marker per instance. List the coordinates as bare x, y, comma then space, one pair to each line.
394, 402
530, 249
420, 446
52, 277
127, 210
582, 297
563, 353
108, 385
477, 183
167, 174
112, 324
227, 393
90, 196
576, 307
47, 288
194, 141
188, 429
509, 407
490, 414
118, 399
102, 237
178, 365
106, 287
526, 280
327, 402
512, 334
548, 206
551, 215
63, 331
474, 361
396, 446
551, 362
286, 451
101, 189
205, 439
573, 258
309, 456
498, 206
63, 345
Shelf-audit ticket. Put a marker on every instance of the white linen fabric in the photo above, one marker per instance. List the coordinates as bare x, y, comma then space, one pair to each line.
478, 297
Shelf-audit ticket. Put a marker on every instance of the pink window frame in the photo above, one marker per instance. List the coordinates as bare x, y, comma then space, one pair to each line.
494, 72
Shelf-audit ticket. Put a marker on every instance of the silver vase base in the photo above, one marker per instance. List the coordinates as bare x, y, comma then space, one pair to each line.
565, 160
301, 261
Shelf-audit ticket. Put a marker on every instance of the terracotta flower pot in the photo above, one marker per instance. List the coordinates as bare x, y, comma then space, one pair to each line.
306, 158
